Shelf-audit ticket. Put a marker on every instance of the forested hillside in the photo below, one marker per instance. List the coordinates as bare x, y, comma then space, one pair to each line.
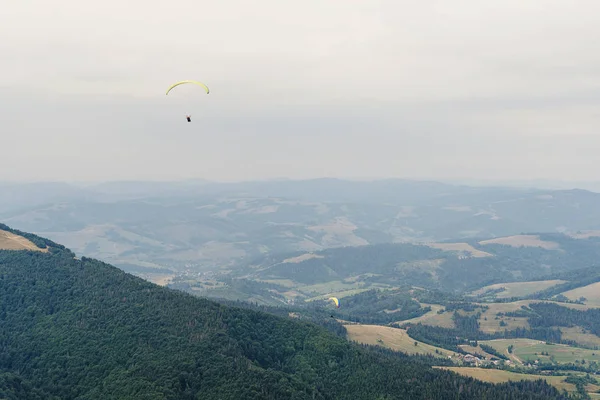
82, 329
481, 263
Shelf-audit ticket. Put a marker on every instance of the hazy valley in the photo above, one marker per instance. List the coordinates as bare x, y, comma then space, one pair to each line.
498, 284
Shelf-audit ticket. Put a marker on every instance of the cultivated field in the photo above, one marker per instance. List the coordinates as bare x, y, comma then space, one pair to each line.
159, 279
460, 247
339, 295
281, 282
303, 257
500, 376
339, 232
10, 241
517, 289
328, 287
576, 333
523, 240
528, 350
392, 338
490, 324
432, 318
590, 292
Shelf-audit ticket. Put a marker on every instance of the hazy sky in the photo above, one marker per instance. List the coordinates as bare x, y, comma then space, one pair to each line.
420, 89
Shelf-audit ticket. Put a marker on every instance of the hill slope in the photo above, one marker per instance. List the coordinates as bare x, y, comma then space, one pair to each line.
427, 266
83, 329
145, 226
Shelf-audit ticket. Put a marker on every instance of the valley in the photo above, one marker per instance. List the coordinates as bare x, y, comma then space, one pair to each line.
486, 297
81, 328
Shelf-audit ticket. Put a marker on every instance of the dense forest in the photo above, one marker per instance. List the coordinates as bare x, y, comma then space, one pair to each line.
84, 329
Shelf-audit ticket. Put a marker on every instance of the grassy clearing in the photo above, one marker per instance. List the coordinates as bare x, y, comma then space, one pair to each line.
523, 240
392, 338
493, 325
329, 287
358, 278
340, 231
288, 283
293, 295
489, 324
476, 351
301, 258
562, 353
528, 350
460, 247
590, 292
517, 289
159, 279
585, 234
432, 318
577, 334
10, 241
339, 295
500, 376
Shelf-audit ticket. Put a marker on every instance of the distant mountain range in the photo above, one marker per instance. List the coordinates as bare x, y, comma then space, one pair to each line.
164, 227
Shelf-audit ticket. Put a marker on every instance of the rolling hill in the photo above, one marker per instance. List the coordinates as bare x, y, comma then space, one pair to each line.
83, 329
171, 227
444, 266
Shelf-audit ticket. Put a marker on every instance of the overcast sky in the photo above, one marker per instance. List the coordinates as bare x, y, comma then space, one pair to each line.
499, 89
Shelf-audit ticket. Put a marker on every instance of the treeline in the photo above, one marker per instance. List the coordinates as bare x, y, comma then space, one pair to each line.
84, 329
467, 331
40, 242
551, 314
370, 307
575, 279
465, 306
492, 351
379, 307
236, 288
349, 261
317, 316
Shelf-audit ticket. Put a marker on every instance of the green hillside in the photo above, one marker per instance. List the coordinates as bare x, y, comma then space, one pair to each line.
82, 329
429, 267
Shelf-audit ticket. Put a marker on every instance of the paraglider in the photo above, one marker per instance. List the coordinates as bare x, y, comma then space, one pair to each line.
336, 301
188, 116
183, 82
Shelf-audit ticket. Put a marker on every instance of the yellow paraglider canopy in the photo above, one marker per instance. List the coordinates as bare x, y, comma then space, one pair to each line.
336, 301
188, 81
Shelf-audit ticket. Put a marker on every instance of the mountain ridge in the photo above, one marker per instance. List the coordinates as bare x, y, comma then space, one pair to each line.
81, 328
201, 226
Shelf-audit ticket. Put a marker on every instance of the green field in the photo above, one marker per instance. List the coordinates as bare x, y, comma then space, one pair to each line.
517, 289
528, 350
432, 317
329, 287
578, 335
339, 295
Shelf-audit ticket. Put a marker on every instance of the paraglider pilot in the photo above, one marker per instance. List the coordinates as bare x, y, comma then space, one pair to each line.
189, 118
